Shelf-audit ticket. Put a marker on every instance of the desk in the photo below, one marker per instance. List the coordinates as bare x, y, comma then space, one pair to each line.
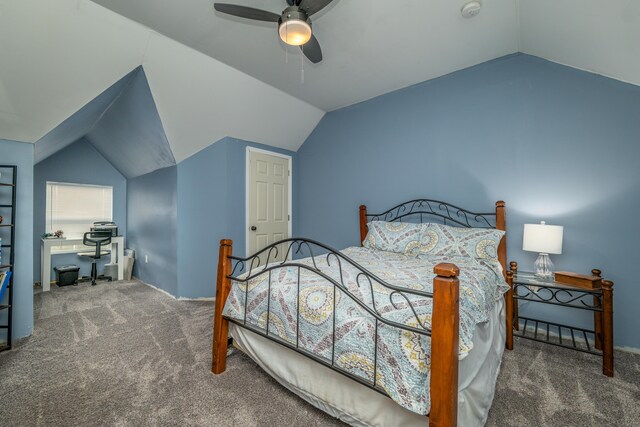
66, 246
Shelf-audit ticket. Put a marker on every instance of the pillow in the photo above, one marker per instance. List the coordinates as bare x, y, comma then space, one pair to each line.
399, 237
444, 240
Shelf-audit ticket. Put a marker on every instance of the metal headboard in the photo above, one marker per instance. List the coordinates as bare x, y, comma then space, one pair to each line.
425, 209
421, 210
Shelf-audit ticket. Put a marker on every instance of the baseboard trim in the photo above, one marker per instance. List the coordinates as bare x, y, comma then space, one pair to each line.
628, 349
173, 296
197, 299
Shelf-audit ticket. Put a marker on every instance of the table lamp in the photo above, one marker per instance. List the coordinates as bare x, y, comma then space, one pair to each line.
544, 239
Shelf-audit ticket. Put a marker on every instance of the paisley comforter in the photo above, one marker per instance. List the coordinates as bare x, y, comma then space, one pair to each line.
402, 359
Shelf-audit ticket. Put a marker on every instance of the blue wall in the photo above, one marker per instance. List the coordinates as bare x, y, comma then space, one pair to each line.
152, 227
555, 143
211, 207
78, 163
81, 122
21, 154
202, 218
130, 133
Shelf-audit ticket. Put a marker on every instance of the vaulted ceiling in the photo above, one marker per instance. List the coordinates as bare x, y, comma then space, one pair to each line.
370, 47
213, 76
374, 47
55, 57
81, 122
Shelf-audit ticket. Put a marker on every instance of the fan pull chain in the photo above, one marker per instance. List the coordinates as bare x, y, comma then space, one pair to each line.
302, 64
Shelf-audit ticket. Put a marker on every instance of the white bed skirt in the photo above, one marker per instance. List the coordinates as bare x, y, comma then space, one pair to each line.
358, 405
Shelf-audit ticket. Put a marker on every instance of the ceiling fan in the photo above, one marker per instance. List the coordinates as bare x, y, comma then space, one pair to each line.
294, 23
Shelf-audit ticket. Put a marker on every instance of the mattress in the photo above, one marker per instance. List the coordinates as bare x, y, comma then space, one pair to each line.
358, 405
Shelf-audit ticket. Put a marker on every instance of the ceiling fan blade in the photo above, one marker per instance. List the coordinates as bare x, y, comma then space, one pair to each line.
313, 6
312, 50
246, 12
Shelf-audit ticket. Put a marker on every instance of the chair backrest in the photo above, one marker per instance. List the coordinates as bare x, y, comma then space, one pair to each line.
97, 239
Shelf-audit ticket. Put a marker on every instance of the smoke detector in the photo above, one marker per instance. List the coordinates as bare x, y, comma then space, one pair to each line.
471, 9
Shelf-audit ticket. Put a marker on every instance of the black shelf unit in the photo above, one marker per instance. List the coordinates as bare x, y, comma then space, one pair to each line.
8, 186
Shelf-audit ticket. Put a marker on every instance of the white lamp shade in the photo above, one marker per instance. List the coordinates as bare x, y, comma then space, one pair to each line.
542, 238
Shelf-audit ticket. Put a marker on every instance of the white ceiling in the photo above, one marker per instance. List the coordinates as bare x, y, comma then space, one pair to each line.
213, 76
81, 122
601, 36
370, 47
58, 56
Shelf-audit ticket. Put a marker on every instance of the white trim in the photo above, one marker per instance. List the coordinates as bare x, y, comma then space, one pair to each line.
172, 296
246, 190
271, 153
153, 287
196, 299
628, 349
79, 184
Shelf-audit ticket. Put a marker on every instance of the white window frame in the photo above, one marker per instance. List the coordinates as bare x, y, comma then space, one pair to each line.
48, 209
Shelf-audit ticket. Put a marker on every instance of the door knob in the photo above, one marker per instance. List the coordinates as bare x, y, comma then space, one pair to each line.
254, 228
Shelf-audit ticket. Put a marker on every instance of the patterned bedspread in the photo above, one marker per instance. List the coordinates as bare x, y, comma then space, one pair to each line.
402, 356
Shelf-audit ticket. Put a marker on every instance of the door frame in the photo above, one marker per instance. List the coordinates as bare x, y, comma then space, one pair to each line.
247, 202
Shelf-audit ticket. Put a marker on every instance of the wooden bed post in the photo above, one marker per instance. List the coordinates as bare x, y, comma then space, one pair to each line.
220, 324
445, 347
509, 310
607, 328
363, 224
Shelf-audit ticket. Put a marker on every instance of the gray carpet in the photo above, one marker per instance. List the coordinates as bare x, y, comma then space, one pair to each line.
124, 354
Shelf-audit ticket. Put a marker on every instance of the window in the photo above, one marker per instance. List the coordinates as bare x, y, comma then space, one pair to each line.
73, 208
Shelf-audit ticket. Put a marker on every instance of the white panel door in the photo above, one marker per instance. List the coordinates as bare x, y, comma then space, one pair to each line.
268, 202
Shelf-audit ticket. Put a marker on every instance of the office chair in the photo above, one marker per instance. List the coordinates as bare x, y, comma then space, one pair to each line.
97, 239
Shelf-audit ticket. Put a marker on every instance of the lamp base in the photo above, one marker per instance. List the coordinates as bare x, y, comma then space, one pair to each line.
544, 266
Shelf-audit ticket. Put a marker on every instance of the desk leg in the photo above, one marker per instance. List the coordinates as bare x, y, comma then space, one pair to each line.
121, 260
45, 266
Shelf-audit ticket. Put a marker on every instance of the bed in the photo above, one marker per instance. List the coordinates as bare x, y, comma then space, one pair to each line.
406, 329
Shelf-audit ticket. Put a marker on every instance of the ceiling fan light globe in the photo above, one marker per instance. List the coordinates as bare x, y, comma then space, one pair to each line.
295, 32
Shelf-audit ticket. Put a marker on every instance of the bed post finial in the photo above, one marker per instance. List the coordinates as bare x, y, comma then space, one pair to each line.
220, 324
363, 224
445, 346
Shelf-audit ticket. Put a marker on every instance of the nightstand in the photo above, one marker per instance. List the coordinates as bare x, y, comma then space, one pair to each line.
527, 286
